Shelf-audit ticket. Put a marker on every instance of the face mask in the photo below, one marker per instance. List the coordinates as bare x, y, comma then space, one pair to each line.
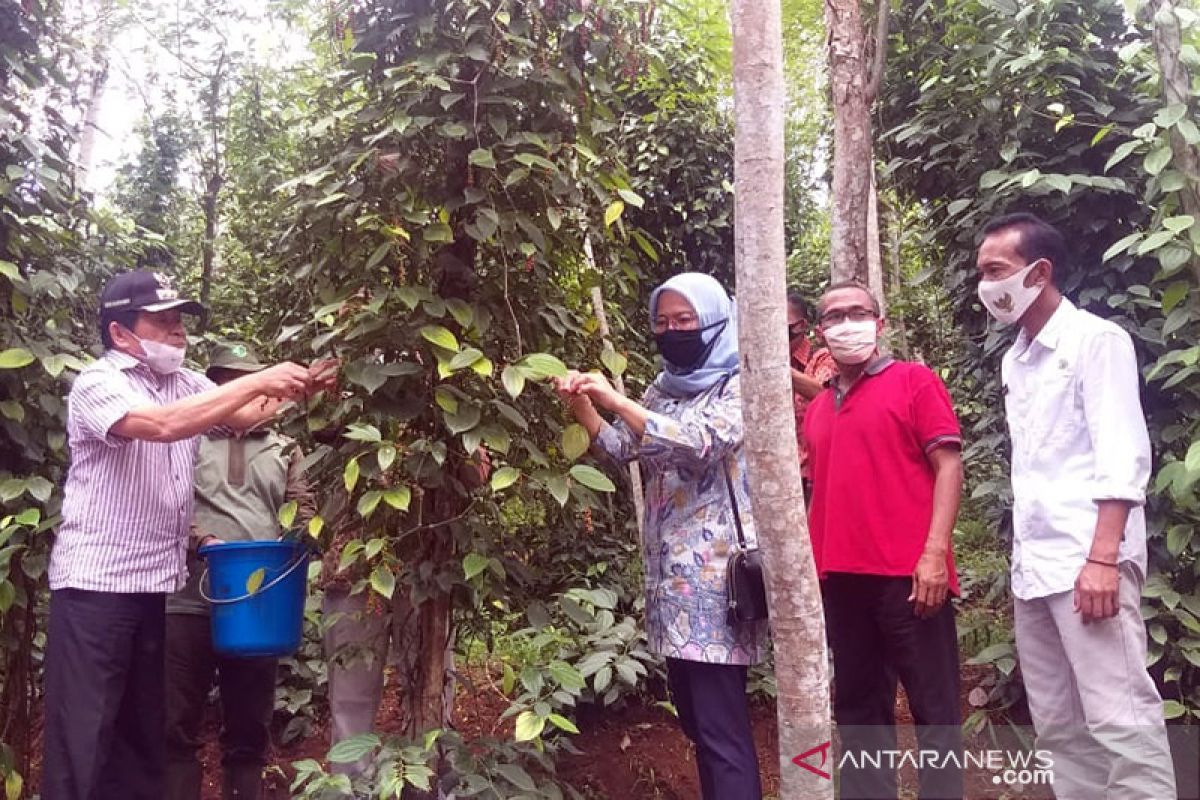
162, 358
684, 351
852, 342
1007, 300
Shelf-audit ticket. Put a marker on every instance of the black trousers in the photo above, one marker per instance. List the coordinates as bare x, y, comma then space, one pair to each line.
715, 714
103, 737
247, 687
876, 639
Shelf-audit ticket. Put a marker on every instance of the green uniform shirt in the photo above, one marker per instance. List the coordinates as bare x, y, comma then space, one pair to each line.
241, 482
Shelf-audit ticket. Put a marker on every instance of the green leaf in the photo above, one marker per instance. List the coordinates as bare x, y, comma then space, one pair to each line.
350, 474
554, 217
287, 514
514, 381
1121, 153
1157, 159
1166, 117
613, 212
1121, 245
1179, 223
255, 581
1173, 294
614, 362
315, 525
567, 676
383, 581
544, 365
369, 502
347, 751
440, 336
378, 255
13, 410
504, 477
1154, 241
562, 723
386, 456
1178, 538
592, 478
529, 727
559, 488
465, 358
632, 198
438, 232
1173, 709
575, 441
15, 358
13, 785
466, 418
398, 497
531, 160
9, 270
1188, 130
461, 310
482, 157
473, 564
360, 432
1192, 461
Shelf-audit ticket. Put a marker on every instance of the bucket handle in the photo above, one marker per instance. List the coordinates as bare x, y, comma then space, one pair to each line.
303, 558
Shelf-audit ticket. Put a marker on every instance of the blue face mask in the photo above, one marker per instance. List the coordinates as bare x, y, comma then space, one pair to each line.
684, 351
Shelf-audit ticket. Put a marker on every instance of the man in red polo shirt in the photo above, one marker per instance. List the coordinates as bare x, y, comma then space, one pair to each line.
884, 449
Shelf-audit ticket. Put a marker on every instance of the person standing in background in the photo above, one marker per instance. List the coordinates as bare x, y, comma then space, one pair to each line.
241, 482
134, 418
1080, 466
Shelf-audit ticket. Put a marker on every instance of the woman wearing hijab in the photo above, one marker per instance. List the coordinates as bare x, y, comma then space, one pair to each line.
686, 431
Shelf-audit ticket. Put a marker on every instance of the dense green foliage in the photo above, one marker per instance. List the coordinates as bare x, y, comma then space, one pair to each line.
433, 193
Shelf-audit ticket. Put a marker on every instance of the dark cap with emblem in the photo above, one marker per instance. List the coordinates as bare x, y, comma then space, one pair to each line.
142, 290
232, 357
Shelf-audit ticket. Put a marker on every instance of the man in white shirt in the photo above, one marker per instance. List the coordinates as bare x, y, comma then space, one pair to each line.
1080, 465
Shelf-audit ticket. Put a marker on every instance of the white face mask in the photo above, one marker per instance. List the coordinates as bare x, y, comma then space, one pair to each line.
160, 357
1008, 299
852, 342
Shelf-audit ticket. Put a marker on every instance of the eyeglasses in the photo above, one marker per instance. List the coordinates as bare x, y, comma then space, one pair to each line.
838, 316
680, 322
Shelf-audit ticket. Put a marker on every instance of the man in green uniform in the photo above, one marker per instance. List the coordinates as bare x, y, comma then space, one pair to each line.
241, 482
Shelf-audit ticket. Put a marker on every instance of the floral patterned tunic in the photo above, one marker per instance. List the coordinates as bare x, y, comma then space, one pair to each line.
689, 530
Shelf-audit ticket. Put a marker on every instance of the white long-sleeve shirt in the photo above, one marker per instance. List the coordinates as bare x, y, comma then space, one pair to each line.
1078, 436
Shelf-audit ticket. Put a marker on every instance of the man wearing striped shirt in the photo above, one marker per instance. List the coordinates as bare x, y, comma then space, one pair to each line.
134, 421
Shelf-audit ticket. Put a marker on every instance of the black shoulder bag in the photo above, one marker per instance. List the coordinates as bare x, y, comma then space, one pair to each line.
747, 594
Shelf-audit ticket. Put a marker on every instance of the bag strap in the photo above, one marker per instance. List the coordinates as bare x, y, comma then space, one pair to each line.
737, 517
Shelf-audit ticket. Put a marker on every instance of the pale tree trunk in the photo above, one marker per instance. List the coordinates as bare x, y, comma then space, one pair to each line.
1176, 88
95, 92
797, 622
854, 84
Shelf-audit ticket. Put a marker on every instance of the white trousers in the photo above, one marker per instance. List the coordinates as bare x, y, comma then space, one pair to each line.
1094, 705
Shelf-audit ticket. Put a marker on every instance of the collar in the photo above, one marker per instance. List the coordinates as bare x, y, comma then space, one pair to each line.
881, 362
1051, 333
123, 361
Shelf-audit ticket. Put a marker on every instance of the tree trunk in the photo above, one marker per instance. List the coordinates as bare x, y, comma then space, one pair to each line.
797, 621
849, 79
1176, 88
874, 256
99, 78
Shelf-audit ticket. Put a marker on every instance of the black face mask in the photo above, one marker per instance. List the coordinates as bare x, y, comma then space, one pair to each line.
686, 350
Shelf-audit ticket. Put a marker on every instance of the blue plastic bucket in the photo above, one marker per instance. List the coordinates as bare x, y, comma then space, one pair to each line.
267, 620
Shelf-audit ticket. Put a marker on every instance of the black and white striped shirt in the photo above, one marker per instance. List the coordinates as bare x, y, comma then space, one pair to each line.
127, 504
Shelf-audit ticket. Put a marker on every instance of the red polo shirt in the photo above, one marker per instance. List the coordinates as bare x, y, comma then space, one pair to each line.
872, 482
